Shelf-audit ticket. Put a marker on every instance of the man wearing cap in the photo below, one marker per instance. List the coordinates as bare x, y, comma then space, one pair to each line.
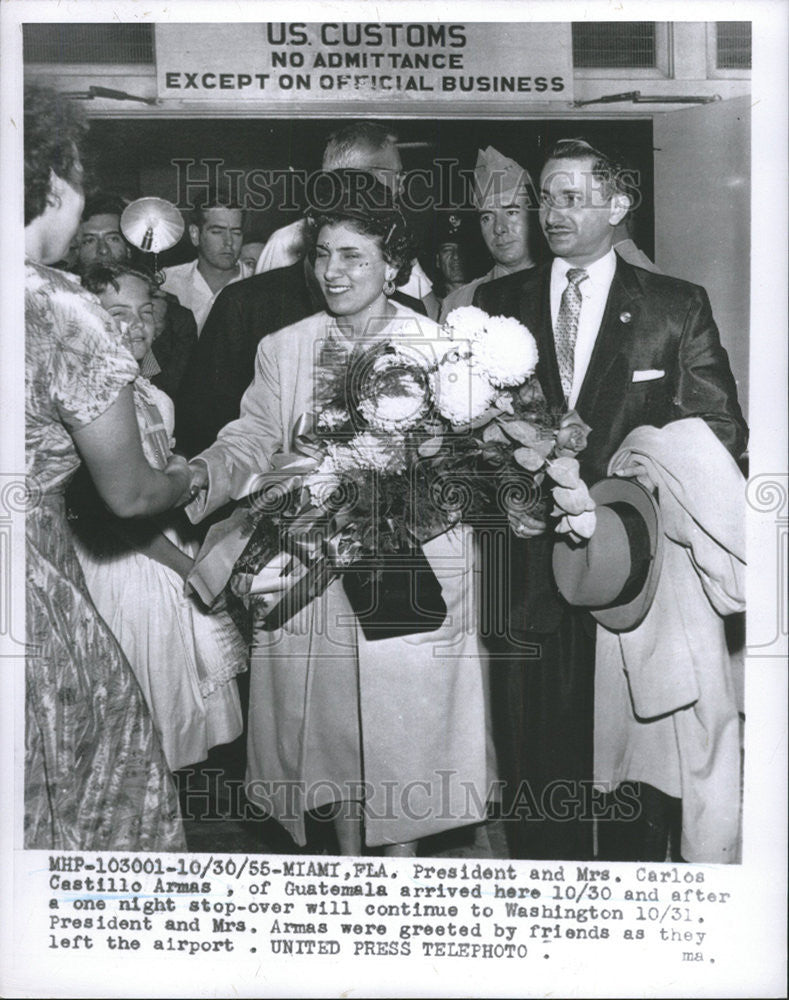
450, 254
502, 198
624, 347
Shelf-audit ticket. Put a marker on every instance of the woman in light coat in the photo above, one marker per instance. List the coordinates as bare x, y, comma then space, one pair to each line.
391, 732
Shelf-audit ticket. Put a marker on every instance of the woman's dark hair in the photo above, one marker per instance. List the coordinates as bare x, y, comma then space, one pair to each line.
356, 198
98, 277
54, 129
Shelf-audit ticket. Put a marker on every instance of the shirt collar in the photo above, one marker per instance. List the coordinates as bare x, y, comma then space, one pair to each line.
601, 271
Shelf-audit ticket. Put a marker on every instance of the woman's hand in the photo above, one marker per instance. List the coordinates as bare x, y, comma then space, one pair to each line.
198, 477
177, 469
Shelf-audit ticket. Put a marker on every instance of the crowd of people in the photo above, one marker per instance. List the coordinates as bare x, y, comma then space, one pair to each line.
151, 407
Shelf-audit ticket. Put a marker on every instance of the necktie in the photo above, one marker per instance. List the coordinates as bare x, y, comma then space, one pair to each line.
567, 327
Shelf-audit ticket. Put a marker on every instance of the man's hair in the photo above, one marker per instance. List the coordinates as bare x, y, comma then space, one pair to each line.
54, 128
343, 147
98, 277
103, 203
606, 169
213, 199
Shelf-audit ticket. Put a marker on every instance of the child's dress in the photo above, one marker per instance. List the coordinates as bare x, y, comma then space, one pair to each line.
185, 659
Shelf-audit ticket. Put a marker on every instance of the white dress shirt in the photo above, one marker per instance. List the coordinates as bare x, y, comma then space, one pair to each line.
594, 295
192, 290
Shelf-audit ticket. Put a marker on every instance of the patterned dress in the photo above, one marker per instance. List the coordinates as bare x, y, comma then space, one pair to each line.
95, 775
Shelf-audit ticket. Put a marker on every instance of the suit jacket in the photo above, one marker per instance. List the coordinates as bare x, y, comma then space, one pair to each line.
173, 347
223, 363
653, 325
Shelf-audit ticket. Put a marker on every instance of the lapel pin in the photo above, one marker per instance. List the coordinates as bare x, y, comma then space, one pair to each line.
625, 317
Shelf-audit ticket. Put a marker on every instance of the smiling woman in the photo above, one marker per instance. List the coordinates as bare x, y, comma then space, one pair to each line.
360, 255
338, 720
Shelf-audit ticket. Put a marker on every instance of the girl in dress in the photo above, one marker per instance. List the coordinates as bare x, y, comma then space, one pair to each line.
184, 658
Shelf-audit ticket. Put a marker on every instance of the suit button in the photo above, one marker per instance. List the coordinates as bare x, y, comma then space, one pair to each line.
625, 317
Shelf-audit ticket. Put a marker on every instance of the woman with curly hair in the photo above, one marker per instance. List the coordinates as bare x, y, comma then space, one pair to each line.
95, 774
389, 733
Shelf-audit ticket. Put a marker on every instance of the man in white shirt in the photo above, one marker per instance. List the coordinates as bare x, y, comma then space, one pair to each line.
360, 145
625, 347
217, 233
502, 190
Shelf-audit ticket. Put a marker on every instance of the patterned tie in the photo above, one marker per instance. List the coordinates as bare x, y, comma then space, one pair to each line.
567, 327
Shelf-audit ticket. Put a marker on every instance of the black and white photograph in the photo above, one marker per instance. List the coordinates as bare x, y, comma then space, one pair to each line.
393, 499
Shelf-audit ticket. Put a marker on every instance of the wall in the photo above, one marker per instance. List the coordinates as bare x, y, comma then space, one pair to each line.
702, 213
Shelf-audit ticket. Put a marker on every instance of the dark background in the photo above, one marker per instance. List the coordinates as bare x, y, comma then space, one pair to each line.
134, 158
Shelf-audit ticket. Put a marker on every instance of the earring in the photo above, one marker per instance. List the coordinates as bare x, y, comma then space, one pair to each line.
389, 287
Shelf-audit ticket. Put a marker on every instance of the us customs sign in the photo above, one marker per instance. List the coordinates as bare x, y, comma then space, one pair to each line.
408, 61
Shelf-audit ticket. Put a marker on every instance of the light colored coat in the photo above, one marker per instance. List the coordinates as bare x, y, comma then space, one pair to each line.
407, 716
666, 707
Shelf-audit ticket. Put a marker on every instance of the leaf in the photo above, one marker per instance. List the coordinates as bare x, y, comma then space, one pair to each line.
430, 447
522, 431
573, 501
484, 418
494, 433
528, 459
583, 524
565, 472
543, 447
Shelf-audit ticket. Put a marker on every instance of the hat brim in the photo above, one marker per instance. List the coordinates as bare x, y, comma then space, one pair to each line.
627, 616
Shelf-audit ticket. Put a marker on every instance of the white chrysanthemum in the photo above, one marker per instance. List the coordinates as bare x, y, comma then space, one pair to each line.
505, 351
385, 453
461, 390
414, 353
333, 417
339, 458
322, 486
465, 322
396, 410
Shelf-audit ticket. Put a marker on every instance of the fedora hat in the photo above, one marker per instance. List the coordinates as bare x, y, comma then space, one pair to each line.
615, 574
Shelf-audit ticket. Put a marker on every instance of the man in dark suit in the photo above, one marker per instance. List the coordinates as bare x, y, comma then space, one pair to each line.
624, 347
223, 363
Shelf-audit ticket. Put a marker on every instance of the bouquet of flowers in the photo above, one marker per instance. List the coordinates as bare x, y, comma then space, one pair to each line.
409, 439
